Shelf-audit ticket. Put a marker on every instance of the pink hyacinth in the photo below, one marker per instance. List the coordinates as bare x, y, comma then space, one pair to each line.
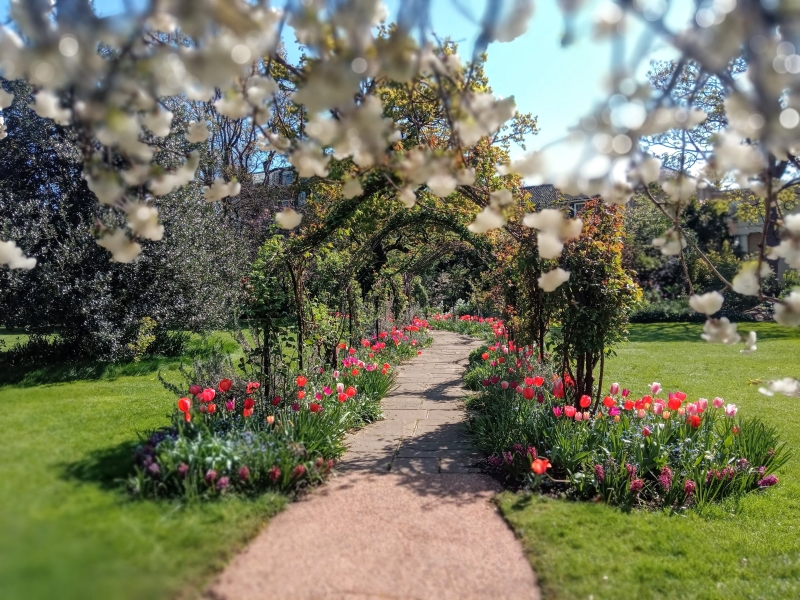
718, 402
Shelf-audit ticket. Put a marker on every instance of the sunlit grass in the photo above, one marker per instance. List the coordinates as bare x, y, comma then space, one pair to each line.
68, 528
745, 550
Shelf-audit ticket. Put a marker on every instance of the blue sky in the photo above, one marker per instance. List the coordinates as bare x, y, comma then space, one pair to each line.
557, 84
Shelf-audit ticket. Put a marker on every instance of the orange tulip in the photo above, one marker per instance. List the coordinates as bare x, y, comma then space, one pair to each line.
540, 465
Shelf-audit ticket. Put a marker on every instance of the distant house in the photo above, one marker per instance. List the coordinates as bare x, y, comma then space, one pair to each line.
547, 196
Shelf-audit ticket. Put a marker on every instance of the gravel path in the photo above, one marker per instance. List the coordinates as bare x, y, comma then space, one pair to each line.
408, 516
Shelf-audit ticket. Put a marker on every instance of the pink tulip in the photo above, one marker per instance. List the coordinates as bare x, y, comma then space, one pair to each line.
718, 402
655, 387
519, 389
578, 416
339, 388
558, 411
702, 404
646, 432
327, 390
318, 396
494, 363
586, 415
691, 408
641, 413
336, 374
730, 410
230, 404
614, 389
626, 393
504, 384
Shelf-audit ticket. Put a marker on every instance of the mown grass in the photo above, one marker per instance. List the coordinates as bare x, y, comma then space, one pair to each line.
745, 550
69, 530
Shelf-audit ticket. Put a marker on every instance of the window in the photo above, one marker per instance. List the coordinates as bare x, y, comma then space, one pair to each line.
577, 207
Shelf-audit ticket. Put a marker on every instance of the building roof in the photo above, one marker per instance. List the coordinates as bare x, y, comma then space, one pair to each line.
546, 195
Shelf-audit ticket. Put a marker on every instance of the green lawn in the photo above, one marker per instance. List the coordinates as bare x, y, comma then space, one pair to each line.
749, 550
68, 529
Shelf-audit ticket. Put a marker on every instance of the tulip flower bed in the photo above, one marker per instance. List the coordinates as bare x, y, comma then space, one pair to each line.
227, 436
649, 449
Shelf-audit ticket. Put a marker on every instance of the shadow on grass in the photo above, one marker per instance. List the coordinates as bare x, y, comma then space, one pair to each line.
85, 371
690, 332
108, 468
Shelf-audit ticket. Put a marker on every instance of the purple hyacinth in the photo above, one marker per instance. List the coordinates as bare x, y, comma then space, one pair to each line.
244, 473
689, 487
743, 464
223, 483
518, 448
508, 457
154, 469
599, 473
532, 452
768, 481
495, 461
665, 479
631, 470
761, 470
636, 486
183, 469
211, 475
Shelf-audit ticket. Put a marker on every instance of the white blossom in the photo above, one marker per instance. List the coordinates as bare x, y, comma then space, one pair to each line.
789, 248
219, 189
159, 122
720, 331
3, 131
11, 255
288, 218
671, 243
197, 132
750, 343
105, 186
143, 221
6, 98
232, 105
746, 281
442, 185
309, 160
515, 23
487, 220
680, 190
788, 314
260, 89
708, 304
168, 182
484, 116
352, 188
47, 105
122, 248
788, 386
551, 280
407, 197
549, 245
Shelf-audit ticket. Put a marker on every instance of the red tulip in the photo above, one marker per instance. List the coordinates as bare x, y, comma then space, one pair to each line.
674, 403
187, 416
314, 407
225, 385
540, 465
207, 395
680, 396
585, 401
350, 391
354, 372
184, 404
628, 405
301, 381
249, 403
538, 381
529, 381
252, 386
528, 393
485, 382
608, 402
352, 351
212, 408
276, 400
569, 411
247, 412
342, 396
558, 389
301, 394
695, 421
539, 397
485, 356
195, 389
494, 379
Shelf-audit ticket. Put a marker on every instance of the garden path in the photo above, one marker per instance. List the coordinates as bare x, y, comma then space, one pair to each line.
408, 515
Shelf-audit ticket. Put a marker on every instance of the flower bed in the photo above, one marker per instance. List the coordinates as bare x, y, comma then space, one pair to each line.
655, 449
226, 436
467, 324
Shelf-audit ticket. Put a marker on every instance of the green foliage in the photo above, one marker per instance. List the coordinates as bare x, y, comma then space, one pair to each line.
144, 338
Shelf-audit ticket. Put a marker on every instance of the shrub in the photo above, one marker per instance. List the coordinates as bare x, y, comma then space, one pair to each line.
628, 449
